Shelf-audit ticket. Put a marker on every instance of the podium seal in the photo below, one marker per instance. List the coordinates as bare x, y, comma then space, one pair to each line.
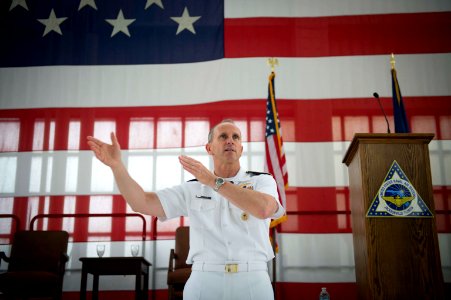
397, 197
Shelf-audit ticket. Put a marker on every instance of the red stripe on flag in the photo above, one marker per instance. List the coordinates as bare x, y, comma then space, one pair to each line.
338, 36
328, 115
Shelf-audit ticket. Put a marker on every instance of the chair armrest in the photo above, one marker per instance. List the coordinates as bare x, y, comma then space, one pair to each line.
3, 257
64, 257
171, 261
62, 263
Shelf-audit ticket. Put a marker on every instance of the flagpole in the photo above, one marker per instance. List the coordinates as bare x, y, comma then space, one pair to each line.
272, 62
274, 267
392, 61
399, 113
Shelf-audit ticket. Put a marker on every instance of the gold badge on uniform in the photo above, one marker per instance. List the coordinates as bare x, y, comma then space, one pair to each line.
244, 216
246, 185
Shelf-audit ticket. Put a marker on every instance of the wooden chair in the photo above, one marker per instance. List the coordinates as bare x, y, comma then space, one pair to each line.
36, 265
179, 271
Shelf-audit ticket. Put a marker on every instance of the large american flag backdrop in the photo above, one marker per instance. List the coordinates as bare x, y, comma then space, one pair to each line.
160, 73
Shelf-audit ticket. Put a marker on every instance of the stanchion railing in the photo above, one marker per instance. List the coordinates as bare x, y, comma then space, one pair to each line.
87, 215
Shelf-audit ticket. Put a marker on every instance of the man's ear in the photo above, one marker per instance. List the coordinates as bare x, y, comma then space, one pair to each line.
208, 148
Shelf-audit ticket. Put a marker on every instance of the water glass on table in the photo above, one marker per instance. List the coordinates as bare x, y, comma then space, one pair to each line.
134, 249
100, 250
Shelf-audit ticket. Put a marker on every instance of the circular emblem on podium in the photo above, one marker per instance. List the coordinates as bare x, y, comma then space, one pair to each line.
398, 195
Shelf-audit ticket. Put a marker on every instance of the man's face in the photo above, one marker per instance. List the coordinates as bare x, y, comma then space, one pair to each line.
226, 143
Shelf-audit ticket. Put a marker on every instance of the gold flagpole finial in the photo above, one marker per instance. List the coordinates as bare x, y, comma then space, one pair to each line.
392, 61
272, 62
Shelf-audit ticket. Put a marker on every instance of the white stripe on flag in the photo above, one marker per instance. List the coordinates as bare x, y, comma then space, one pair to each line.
322, 78
312, 8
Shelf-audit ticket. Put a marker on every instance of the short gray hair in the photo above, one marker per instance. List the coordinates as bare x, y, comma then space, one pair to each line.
210, 134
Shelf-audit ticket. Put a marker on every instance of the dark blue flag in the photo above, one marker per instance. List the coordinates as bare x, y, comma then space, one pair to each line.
113, 32
401, 123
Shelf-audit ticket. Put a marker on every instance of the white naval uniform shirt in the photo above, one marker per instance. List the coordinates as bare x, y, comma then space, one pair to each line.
218, 232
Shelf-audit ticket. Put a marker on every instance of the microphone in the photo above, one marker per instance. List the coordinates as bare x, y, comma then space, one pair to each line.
376, 95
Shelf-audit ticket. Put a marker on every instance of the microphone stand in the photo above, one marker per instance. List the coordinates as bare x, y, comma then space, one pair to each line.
376, 95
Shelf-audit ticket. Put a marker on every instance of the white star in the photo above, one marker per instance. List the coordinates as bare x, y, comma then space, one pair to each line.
120, 24
22, 3
185, 21
157, 2
52, 23
91, 3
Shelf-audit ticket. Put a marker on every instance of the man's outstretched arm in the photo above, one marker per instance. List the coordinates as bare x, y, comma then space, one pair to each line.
139, 201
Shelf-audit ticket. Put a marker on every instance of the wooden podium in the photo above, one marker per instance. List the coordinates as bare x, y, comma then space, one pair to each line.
395, 257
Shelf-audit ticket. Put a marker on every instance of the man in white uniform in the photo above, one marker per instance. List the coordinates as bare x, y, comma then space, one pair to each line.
229, 211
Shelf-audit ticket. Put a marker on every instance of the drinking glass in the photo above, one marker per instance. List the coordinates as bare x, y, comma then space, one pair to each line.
100, 250
134, 250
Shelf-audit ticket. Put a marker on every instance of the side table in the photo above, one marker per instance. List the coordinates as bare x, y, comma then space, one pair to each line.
97, 266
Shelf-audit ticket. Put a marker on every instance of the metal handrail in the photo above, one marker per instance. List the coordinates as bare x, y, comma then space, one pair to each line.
14, 217
84, 215
154, 220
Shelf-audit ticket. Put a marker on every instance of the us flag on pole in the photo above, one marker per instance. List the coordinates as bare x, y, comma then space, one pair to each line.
275, 156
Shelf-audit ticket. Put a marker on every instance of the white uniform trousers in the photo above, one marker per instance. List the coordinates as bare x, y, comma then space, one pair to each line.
252, 285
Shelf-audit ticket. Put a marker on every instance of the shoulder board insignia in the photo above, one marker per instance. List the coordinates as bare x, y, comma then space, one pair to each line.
253, 173
192, 180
